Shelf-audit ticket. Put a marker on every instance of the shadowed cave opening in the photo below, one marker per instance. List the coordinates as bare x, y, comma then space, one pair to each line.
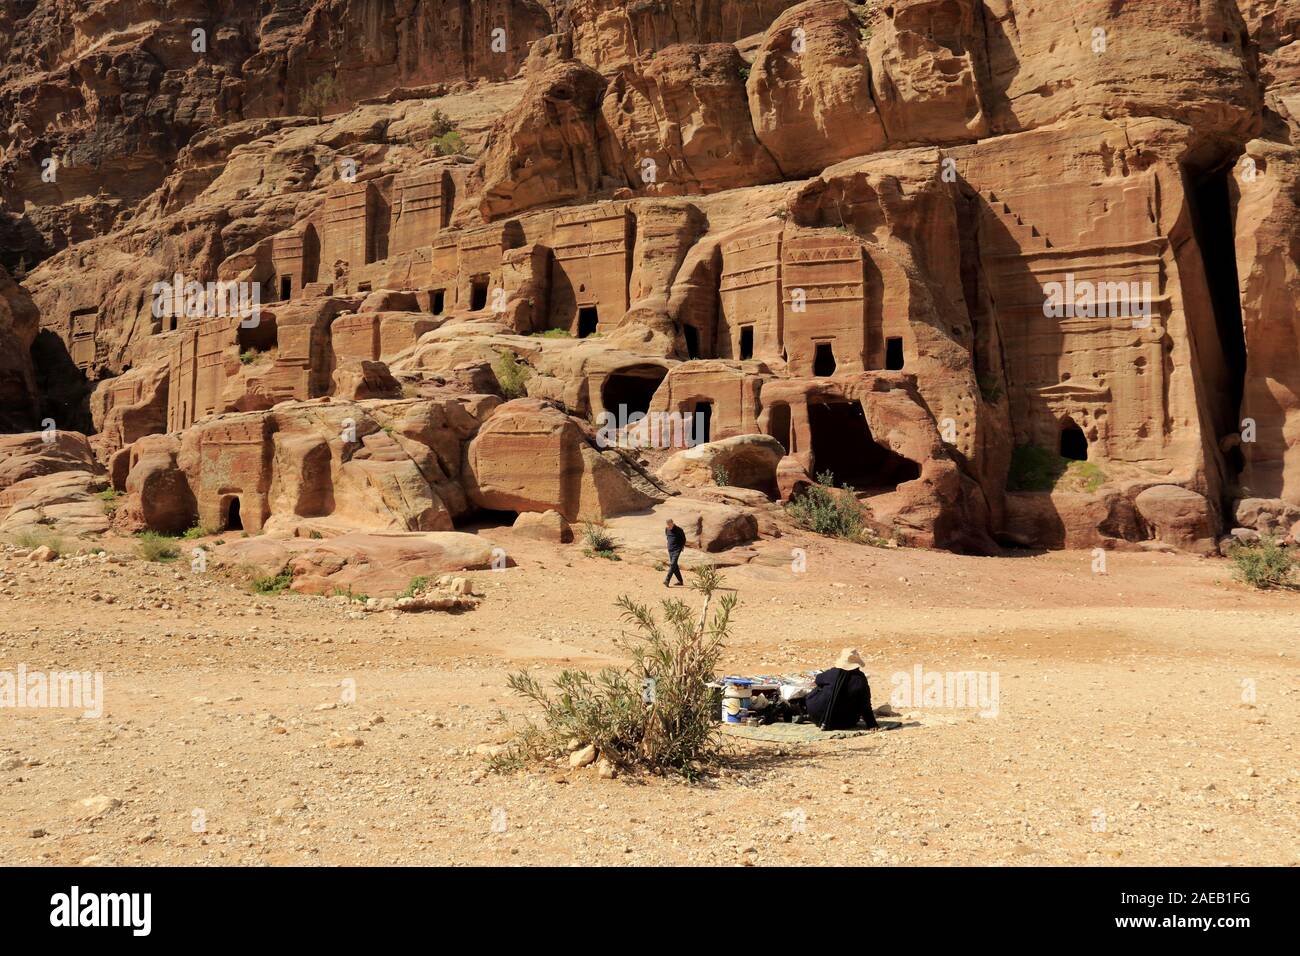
631, 387
824, 360
588, 320
692, 336
232, 520
1212, 222
702, 423
1074, 443
842, 444
485, 519
778, 424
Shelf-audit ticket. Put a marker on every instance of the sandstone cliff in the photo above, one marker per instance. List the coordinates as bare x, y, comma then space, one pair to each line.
1012, 274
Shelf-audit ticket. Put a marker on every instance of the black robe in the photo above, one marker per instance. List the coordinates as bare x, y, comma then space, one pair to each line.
854, 700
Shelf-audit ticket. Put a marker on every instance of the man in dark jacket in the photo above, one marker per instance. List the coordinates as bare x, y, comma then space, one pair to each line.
833, 708
676, 542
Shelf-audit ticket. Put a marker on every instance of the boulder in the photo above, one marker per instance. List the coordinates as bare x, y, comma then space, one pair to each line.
748, 461
1267, 515
544, 526
792, 477
66, 502
355, 381
360, 563
158, 490
530, 456
1179, 517
31, 454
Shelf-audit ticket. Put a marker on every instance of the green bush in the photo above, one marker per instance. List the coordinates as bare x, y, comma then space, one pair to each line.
721, 476
656, 715
828, 510
599, 543
1264, 565
444, 139
553, 334
1037, 469
273, 584
417, 585
198, 531
153, 546
512, 375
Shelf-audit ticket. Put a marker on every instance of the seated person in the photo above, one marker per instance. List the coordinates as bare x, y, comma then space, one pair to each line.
852, 701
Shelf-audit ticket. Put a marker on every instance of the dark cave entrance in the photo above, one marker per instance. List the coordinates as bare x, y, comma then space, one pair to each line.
631, 388
485, 519
437, 301
478, 288
842, 444
702, 423
692, 336
232, 520
778, 424
286, 288
894, 353
1212, 222
588, 321
746, 342
1074, 443
824, 360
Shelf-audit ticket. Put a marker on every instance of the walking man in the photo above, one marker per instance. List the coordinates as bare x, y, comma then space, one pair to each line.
676, 542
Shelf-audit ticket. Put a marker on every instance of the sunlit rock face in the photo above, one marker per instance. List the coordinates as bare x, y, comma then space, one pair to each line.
1016, 277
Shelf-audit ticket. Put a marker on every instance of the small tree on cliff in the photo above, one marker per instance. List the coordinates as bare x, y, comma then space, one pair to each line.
320, 95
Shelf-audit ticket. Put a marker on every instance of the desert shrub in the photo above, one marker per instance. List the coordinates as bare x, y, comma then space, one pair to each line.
40, 537
444, 139
828, 510
1263, 565
598, 542
655, 715
273, 583
553, 334
198, 531
1037, 469
153, 546
512, 375
417, 585
721, 476
320, 94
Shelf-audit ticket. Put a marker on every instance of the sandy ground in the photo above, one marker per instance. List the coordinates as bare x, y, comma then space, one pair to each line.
1121, 736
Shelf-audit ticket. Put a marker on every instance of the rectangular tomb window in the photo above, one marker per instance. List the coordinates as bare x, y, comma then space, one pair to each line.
478, 289
746, 342
894, 353
588, 320
286, 288
437, 301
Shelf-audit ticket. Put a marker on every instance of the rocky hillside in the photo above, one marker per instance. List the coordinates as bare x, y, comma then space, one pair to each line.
1021, 275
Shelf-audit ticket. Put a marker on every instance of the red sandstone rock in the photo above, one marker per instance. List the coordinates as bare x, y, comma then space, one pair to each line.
532, 457
810, 89
544, 526
745, 461
899, 291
